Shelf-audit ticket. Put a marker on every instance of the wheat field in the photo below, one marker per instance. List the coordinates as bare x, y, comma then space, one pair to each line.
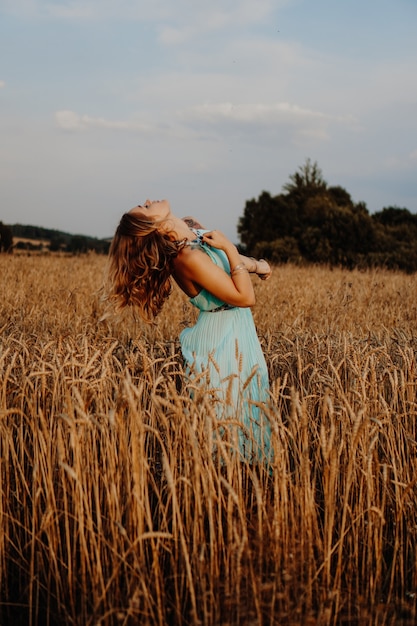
114, 509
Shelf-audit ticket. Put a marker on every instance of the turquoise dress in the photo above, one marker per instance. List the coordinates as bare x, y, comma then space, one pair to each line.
223, 345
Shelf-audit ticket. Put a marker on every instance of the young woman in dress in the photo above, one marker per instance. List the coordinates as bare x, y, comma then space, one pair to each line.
151, 246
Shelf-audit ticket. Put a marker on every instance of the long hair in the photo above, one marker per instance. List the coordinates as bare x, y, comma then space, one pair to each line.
140, 266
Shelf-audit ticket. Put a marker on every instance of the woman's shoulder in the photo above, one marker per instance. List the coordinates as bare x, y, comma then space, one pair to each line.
187, 256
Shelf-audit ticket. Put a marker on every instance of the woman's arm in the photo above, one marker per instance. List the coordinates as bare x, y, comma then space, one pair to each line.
196, 266
259, 267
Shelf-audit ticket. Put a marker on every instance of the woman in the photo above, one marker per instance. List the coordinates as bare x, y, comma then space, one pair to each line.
150, 246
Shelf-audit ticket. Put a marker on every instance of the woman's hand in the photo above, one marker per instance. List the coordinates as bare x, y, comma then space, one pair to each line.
195, 267
216, 239
263, 269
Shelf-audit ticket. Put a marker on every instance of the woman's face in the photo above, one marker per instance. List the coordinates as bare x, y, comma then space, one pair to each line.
156, 210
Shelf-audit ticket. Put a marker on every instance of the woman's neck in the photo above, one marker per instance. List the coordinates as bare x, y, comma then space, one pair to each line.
178, 229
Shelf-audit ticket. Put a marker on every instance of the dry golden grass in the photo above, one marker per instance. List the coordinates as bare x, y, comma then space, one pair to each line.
113, 508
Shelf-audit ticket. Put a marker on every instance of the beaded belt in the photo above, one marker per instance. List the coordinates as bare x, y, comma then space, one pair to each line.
222, 307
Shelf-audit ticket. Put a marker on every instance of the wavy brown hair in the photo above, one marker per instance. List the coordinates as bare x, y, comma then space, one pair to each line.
140, 266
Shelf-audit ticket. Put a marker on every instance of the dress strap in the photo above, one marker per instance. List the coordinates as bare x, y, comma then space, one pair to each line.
194, 243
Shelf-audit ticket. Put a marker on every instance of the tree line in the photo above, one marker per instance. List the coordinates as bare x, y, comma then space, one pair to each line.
57, 241
6, 238
312, 222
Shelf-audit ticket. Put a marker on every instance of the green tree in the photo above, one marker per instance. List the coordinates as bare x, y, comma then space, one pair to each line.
57, 243
396, 240
281, 250
306, 182
312, 222
394, 216
6, 238
340, 196
78, 244
265, 219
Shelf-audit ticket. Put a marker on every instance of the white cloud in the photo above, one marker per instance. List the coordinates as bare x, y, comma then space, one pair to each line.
221, 117
218, 123
299, 123
2, 84
71, 121
253, 112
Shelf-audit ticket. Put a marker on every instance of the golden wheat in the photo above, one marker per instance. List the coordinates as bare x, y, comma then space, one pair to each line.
114, 508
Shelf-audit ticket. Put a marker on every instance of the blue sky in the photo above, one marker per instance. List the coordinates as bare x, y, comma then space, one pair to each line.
105, 103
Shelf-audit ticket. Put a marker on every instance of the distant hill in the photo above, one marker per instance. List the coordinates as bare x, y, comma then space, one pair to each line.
27, 237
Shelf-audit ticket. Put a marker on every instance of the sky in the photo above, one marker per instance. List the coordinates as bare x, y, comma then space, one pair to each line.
105, 103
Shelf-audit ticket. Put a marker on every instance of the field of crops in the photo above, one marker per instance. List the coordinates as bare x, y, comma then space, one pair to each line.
115, 508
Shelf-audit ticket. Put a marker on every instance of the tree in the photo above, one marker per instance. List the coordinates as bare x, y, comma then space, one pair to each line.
340, 196
6, 238
312, 222
78, 244
306, 182
283, 219
394, 216
265, 219
57, 243
281, 250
